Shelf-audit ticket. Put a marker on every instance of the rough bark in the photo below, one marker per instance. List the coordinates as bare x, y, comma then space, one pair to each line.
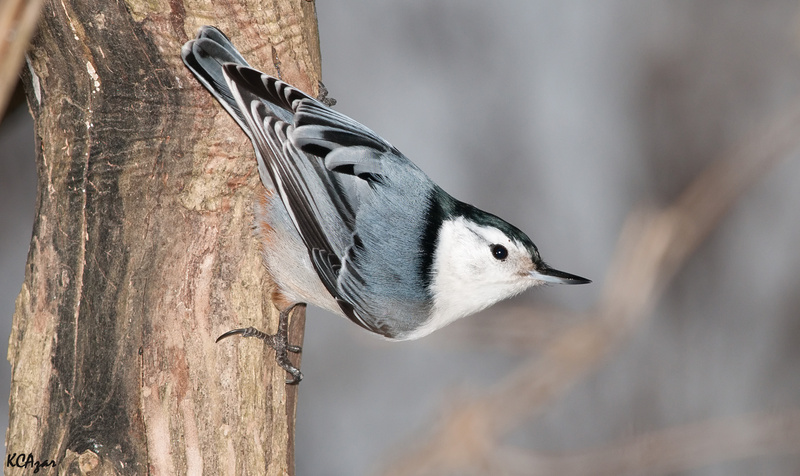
142, 251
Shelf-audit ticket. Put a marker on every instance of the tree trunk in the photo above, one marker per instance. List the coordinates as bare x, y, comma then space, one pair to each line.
142, 251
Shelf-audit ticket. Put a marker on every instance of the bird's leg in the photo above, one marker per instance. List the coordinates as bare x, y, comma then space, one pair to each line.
278, 341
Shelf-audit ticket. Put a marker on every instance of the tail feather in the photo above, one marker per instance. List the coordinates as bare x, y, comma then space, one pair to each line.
205, 56
211, 56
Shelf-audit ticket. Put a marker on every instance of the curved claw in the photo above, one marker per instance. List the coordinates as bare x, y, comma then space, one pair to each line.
297, 376
229, 333
246, 332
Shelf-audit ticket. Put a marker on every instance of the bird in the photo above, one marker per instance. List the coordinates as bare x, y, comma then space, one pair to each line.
351, 225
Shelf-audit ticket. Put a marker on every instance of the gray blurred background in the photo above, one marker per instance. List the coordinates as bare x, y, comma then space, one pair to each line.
561, 117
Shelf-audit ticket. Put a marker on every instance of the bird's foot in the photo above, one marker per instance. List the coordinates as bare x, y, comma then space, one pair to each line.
323, 96
278, 341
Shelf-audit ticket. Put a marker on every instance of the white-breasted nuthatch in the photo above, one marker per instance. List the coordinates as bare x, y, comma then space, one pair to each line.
353, 226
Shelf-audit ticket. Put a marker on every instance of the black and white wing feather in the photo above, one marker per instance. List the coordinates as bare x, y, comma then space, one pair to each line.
310, 193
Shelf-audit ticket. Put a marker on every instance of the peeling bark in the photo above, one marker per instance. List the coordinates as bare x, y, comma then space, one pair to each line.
142, 251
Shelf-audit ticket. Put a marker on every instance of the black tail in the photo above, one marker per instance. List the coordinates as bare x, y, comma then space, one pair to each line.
204, 56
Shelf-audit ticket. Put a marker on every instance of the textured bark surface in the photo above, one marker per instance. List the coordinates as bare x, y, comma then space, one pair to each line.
142, 251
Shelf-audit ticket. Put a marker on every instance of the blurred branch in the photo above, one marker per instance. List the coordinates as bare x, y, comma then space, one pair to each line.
17, 24
511, 327
653, 246
667, 451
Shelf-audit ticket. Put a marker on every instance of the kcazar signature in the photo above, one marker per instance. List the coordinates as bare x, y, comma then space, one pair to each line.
26, 460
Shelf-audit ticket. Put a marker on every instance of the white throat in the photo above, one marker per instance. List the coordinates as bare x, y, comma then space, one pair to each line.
465, 280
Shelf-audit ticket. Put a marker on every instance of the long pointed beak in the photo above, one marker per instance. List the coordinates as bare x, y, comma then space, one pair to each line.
554, 276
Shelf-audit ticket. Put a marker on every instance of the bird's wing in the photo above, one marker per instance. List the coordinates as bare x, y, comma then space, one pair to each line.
320, 205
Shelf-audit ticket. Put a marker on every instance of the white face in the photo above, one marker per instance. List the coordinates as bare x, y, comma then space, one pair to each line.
474, 267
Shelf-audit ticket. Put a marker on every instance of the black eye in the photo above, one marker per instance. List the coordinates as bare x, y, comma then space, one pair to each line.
499, 252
